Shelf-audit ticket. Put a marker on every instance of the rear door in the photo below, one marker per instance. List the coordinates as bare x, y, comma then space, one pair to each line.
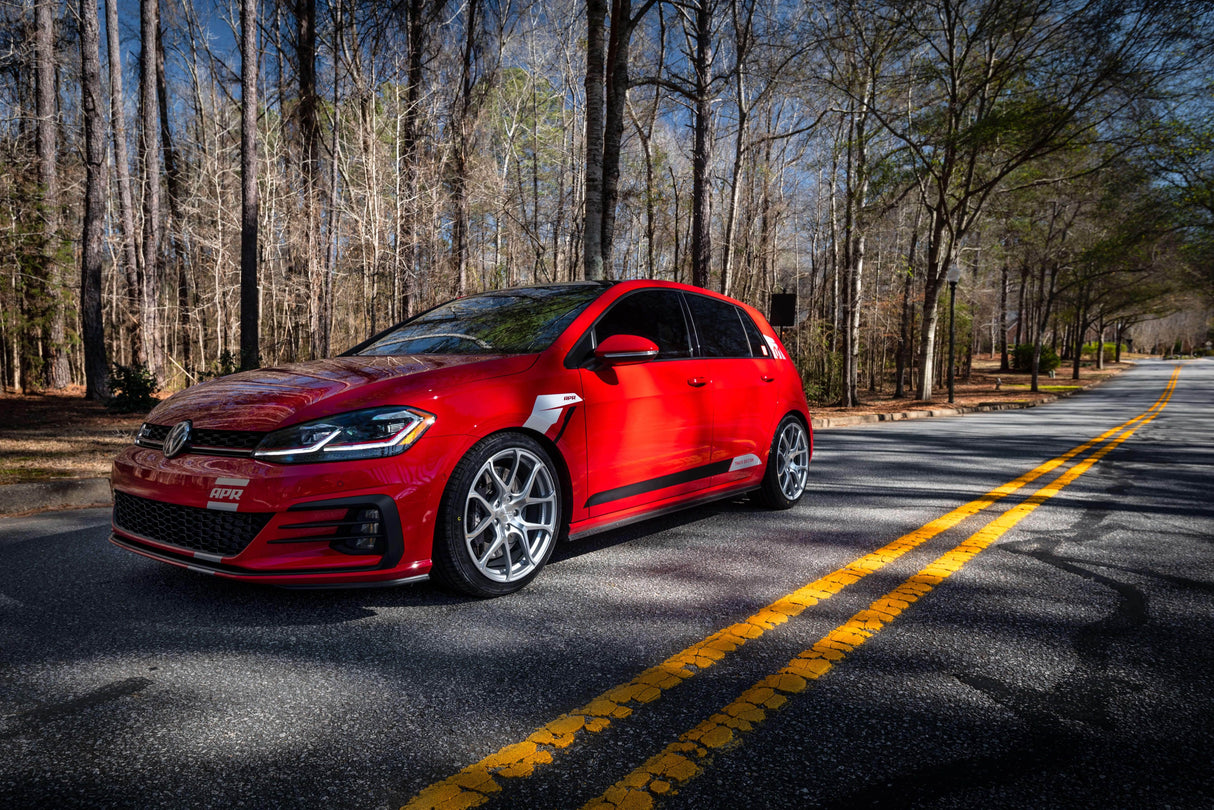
741, 376
648, 425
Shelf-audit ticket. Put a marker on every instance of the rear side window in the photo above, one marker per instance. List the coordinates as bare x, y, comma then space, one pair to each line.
758, 346
653, 314
720, 328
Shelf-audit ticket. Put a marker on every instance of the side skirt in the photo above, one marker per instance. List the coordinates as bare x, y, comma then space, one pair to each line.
589, 527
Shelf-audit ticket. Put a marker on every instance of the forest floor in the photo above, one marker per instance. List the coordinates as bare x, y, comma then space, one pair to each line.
60, 435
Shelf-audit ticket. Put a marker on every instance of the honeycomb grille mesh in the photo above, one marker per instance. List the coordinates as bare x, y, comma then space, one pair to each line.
208, 530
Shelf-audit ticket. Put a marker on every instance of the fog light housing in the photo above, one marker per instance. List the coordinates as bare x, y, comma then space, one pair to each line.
362, 532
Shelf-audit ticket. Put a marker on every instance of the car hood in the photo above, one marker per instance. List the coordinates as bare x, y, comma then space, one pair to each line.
269, 398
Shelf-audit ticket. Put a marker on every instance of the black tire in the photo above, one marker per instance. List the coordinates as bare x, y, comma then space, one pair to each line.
787, 466
500, 517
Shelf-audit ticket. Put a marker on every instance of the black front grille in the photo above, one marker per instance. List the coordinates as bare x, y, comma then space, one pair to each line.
226, 439
203, 441
209, 530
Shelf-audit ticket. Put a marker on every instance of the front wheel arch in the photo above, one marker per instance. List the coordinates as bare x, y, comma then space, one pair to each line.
562, 471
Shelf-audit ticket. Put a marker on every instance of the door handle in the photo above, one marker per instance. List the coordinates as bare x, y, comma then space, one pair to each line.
698, 382
767, 378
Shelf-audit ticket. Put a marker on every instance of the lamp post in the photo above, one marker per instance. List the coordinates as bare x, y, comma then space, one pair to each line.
954, 275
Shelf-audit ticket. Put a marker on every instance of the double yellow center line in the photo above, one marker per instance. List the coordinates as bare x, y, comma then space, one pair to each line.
684, 758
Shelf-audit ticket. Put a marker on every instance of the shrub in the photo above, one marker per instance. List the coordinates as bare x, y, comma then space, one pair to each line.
132, 387
1110, 351
227, 363
1022, 359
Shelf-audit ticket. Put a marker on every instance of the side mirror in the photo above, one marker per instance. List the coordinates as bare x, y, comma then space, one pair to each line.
626, 350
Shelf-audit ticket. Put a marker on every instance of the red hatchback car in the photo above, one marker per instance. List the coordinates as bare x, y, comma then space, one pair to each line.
463, 443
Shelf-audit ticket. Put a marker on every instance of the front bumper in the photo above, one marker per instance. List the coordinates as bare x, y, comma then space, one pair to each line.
336, 523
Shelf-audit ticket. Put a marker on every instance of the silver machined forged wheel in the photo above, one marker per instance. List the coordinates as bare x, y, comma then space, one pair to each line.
510, 515
787, 470
792, 460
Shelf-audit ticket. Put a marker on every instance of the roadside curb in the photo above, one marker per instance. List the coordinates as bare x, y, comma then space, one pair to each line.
827, 422
38, 496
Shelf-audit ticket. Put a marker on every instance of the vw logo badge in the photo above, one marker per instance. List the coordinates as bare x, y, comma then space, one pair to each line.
178, 439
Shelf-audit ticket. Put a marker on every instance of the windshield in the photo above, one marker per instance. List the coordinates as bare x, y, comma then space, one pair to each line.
519, 321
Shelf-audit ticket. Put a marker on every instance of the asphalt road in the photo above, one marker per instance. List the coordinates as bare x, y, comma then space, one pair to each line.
1048, 645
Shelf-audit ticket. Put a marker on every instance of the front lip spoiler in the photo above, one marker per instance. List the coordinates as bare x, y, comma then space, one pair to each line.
219, 569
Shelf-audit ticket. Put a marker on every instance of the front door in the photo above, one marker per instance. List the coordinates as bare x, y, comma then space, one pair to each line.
648, 425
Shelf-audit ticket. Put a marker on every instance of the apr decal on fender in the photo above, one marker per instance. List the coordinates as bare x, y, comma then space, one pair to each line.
548, 409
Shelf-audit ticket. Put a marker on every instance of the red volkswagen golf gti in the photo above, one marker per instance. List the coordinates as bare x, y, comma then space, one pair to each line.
463, 443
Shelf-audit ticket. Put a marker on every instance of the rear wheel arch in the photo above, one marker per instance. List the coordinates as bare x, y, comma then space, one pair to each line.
785, 473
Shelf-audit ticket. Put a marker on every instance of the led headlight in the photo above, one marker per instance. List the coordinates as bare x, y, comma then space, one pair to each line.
373, 433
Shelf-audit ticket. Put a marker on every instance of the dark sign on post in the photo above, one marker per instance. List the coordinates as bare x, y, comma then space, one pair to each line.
783, 309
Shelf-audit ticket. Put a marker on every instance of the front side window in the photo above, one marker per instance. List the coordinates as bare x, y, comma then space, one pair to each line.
519, 321
653, 314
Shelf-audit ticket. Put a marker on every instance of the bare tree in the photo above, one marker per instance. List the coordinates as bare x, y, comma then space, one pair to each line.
250, 315
122, 169
56, 371
994, 85
96, 366
592, 252
699, 34
149, 141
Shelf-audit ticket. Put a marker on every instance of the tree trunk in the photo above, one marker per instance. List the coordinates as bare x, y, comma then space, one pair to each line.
411, 151
1100, 343
51, 289
592, 235
122, 169
735, 189
462, 147
742, 26
250, 315
176, 191
149, 25
1021, 304
857, 200
305, 52
1004, 363
307, 262
701, 212
937, 257
1081, 326
96, 366
904, 337
618, 82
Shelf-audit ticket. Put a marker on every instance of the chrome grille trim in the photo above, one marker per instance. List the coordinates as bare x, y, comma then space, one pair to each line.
205, 442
